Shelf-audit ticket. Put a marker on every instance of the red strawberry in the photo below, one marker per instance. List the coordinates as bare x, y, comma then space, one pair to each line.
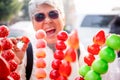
4, 31
89, 59
0, 47
25, 39
59, 54
93, 49
15, 75
6, 44
60, 45
55, 64
99, 38
65, 68
4, 68
62, 36
13, 65
8, 54
54, 74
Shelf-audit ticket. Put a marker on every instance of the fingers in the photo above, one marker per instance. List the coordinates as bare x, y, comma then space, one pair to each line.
24, 47
16, 48
19, 49
17, 59
14, 41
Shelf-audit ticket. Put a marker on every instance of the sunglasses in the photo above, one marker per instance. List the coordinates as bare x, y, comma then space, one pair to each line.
39, 17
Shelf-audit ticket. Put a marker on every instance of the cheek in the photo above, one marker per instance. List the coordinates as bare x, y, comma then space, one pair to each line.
62, 24
36, 26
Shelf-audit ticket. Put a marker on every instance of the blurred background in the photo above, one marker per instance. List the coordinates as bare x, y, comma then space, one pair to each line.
12, 11
87, 16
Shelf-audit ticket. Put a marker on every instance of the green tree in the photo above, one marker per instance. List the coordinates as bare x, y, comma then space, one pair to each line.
25, 15
8, 10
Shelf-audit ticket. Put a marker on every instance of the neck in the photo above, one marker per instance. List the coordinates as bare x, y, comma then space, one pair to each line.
52, 46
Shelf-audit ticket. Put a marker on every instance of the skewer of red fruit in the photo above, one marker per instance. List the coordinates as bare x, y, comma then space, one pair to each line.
40, 54
58, 63
106, 55
7, 64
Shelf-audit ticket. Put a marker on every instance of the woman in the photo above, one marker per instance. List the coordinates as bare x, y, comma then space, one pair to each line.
47, 15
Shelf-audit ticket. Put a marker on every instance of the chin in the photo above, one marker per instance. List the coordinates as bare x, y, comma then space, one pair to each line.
51, 41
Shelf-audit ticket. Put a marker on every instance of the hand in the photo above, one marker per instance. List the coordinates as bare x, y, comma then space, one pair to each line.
19, 51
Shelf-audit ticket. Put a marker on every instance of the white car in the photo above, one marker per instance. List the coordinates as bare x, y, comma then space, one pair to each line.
21, 28
94, 15
90, 25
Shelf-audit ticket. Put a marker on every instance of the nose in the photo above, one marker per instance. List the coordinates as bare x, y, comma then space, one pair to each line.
47, 19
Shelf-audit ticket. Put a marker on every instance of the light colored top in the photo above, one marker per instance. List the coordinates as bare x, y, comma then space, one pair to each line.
113, 72
49, 58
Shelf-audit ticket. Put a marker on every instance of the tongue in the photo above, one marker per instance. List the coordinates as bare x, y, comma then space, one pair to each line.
50, 31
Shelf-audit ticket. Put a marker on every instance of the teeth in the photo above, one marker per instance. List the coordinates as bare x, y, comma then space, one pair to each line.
49, 29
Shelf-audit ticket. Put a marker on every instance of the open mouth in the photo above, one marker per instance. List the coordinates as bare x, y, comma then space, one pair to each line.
50, 32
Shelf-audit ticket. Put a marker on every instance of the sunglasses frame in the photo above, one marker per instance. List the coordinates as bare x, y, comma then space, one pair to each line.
53, 14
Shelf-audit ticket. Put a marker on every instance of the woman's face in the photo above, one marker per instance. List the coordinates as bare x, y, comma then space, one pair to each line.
50, 20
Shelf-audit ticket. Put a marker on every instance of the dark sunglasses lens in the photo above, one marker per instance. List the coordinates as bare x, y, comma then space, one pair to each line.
39, 17
53, 14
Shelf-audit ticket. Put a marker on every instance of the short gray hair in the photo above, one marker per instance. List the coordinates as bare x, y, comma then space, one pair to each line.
55, 3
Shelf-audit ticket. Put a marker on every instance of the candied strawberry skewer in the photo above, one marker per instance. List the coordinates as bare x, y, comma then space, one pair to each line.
4, 69
7, 55
4, 31
8, 65
105, 50
58, 63
93, 50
